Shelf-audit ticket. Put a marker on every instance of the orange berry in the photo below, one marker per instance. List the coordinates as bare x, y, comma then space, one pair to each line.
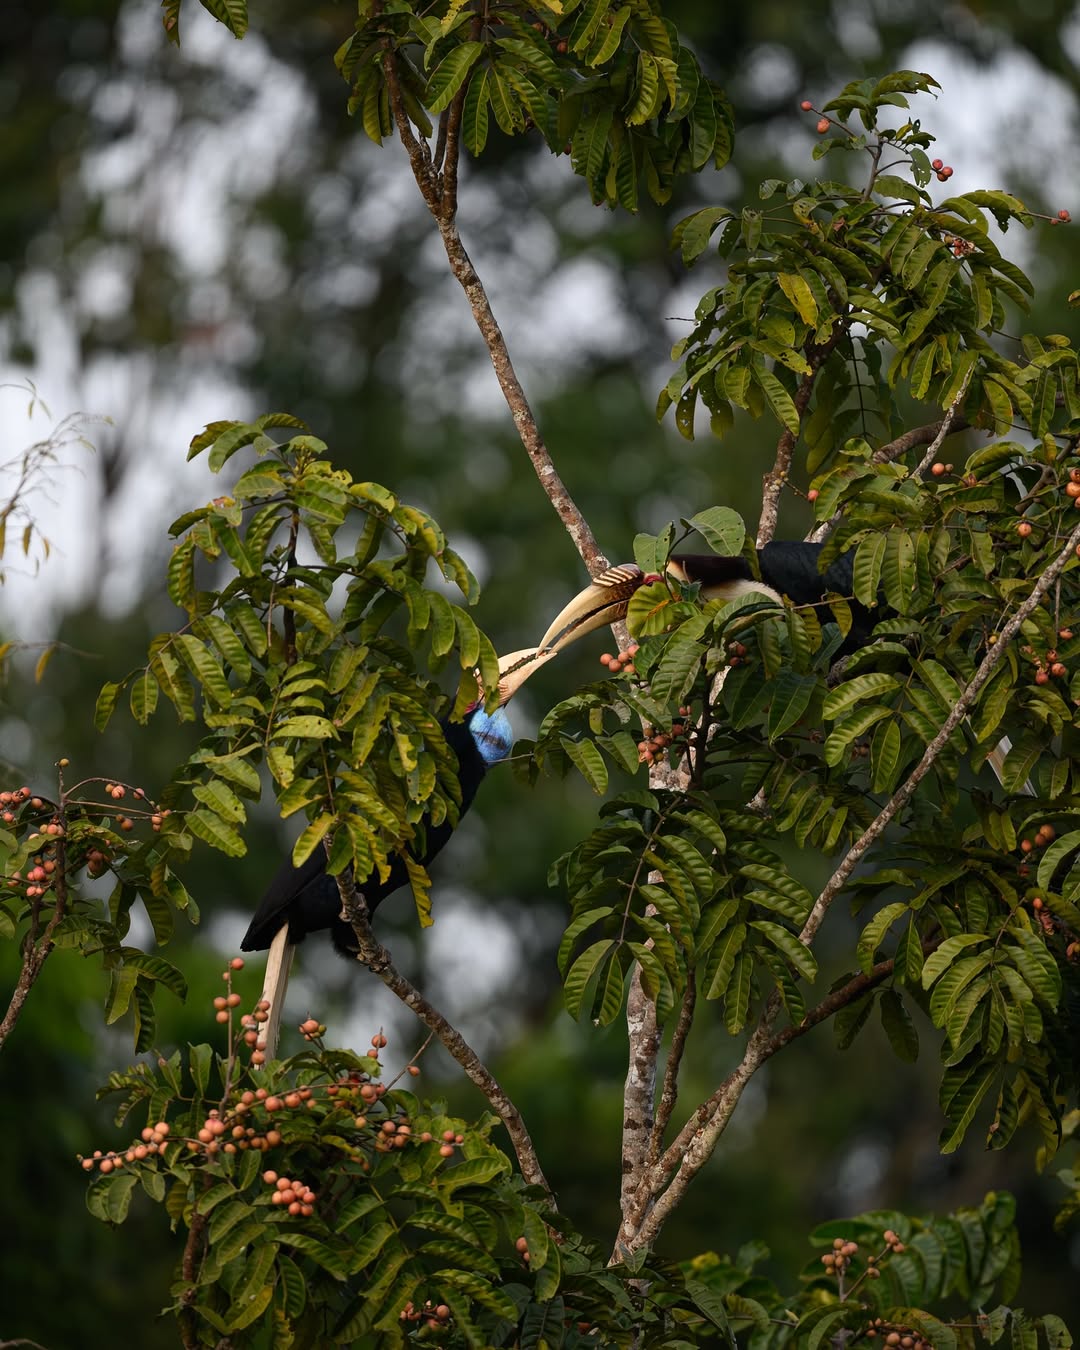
937, 470
1024, 529
823, 126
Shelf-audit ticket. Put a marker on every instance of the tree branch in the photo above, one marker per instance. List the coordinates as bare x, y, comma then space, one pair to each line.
37, 947
669, 1092
639, 1095
932, 434
378, 960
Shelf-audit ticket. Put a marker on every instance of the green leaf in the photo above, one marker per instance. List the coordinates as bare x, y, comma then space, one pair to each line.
721, 528
899, 1027
582, 971
798, 291
449, 75
211, 829
850, 692
779, 400
791, 695
800, 956
106, 703
943, 957
873, 934
885, 756
869, 557
589, 762
609, 992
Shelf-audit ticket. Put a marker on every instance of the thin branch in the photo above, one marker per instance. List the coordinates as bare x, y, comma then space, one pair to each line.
440, 193
37, 946
840, 998
669, 1092
698, 1138
932, 433
773, 484
377, 959
959, 711
418, 150
946, 424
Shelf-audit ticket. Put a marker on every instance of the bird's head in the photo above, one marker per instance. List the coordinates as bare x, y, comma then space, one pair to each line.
607, 597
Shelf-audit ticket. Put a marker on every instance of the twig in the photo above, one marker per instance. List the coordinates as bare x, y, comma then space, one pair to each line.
932, 433
37, 947
946, 423
773, 483
377, 959
840, 998
669, 1092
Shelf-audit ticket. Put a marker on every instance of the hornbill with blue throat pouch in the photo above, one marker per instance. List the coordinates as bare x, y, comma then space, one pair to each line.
306, 899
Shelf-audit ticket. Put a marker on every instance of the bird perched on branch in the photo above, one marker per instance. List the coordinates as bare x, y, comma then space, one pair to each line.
306, 899
787, 570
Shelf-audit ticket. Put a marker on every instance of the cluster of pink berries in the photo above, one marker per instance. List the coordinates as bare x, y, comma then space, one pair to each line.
15, 799
891, 1334
652, 747
298, 1198
433, 1315
153, 1140
622, 661
838, 1260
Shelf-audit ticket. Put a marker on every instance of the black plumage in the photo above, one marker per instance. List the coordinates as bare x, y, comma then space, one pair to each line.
307, 898
791, 570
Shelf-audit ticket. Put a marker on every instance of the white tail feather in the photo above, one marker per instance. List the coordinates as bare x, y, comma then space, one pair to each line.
996, 760
275, 982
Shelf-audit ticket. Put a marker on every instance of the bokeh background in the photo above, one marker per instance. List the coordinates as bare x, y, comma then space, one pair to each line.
204, 234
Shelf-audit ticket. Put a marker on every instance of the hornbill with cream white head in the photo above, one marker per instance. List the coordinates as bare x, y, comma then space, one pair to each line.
785, 570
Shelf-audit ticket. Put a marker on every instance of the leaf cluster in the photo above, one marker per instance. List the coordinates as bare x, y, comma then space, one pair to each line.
607, 83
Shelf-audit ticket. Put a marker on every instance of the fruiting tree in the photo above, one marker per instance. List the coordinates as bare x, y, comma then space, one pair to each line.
880, 329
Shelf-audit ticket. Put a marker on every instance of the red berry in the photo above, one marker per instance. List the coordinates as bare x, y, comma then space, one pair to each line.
937, 164
823, 126
1064, 217
1024, 529
806, 105
813, 495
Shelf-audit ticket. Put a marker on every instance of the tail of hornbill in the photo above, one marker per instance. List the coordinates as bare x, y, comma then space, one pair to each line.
786, 570
305, 899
